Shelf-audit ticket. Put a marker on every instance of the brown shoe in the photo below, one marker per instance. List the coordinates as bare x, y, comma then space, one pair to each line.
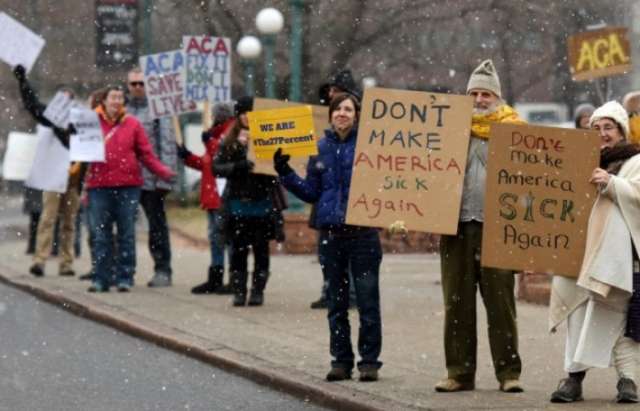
451, 385
511, 386
338, 374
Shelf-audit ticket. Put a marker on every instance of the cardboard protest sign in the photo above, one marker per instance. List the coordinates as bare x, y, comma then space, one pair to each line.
50, 170
18, 158
164, 84
88, 143
58, 109
299, 164
288, 128
18, 44
538, 198
207, 68
599, 53
410, 160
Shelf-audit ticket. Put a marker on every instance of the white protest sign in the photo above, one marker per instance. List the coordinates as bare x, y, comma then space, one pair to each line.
50, 169
207, 68
21, 149
57, 110
164, 81
18, 44
88, 143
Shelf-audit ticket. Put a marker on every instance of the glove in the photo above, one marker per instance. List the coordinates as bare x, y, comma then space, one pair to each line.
281, 163
243, 166
72, 129
206, 136
20, 72
183, 153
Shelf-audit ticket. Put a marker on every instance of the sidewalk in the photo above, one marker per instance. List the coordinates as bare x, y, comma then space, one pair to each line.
285, 344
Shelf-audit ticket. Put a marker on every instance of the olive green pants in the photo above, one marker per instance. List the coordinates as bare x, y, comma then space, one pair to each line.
461, 276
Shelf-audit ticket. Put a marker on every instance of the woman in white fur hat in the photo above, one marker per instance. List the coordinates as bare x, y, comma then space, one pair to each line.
602, 308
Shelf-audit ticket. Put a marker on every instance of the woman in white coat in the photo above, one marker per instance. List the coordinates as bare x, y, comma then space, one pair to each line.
600, 331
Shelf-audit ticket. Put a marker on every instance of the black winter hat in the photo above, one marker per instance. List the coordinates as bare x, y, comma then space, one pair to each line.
243, 105
342, 80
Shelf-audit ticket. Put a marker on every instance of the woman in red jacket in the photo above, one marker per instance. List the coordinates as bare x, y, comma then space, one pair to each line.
210, 199
114, 190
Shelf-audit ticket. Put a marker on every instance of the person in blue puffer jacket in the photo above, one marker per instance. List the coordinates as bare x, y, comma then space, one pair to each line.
342, 247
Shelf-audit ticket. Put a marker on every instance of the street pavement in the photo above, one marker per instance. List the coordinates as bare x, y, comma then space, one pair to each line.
52, 360
285, 344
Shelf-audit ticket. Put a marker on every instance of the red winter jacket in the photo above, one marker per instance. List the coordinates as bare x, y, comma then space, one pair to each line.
123, 149
209, 198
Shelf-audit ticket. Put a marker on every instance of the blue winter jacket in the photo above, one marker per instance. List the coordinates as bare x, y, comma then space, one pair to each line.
328, 179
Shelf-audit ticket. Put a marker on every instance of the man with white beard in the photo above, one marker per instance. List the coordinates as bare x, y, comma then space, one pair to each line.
460, 259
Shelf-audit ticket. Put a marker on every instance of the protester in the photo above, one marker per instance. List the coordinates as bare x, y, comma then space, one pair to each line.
209, 198
343, 247
602, 309
154, 190
341, 82
582, 115
54, 204
248, 209
460, 264
114, 190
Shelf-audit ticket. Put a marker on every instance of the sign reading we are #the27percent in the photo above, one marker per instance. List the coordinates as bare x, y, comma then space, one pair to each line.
409, 162
207, 69
538, 198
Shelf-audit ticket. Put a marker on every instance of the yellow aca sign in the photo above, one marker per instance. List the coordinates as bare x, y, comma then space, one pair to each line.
599, 53
290, 128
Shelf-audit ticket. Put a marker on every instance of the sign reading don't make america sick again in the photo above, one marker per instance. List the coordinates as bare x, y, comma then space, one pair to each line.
288, 128
410, 160
538, 198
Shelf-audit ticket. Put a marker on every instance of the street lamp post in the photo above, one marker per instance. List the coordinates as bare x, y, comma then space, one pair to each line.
249, 49
269, 22
295, 55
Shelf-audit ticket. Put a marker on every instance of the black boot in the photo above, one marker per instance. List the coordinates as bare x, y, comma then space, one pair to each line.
221, 288
257, 289
627, 391
239, 283
214, 281
569, 389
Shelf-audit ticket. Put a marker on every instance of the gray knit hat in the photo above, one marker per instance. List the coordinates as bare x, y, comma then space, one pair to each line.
485, 77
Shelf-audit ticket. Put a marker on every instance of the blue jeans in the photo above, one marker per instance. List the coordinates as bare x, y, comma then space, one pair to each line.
216, 237
362, 255
108, 206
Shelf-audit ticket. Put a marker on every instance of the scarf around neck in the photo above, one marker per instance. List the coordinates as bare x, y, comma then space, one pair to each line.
481, 123
613, 158
103, 113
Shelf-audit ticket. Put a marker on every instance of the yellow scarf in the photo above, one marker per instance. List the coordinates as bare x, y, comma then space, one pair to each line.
481, 123
103, 113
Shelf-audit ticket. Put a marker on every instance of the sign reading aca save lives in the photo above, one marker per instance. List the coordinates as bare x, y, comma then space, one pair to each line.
410, 159
288, 128
164, 84
538, 198
599, 53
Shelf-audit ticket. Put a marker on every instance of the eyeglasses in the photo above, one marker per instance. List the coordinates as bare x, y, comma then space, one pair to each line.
136, 83
606, 128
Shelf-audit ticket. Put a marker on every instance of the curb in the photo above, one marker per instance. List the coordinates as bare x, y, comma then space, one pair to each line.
290, 381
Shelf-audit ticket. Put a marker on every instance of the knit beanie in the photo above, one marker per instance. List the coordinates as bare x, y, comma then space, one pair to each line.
485, 77
615, 112
221, 113
243, 105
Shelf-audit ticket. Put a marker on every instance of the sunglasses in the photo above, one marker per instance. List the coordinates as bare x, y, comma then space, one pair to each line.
136, 83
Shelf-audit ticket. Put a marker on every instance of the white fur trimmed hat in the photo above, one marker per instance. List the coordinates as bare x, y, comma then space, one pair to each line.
615, 112
485, 77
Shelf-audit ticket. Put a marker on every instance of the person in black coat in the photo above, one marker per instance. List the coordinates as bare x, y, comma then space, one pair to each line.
249, 213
